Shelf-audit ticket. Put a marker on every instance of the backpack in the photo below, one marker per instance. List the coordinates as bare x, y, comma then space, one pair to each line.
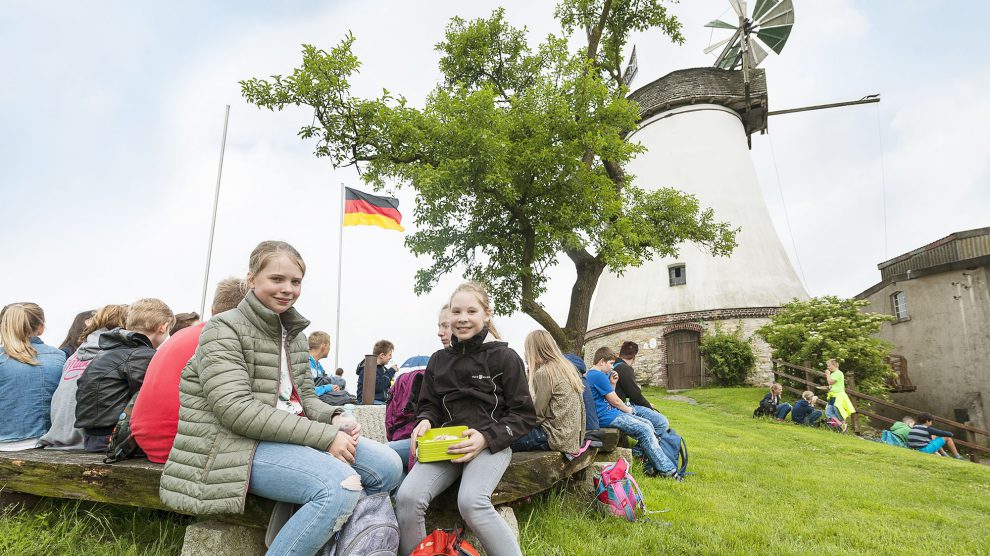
888, 437
400, 406
766, 409
618, 490
675, 448
444, 542
123, 445
372, 530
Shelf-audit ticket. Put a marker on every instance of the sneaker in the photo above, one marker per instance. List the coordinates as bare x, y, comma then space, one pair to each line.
959, 457
674, 476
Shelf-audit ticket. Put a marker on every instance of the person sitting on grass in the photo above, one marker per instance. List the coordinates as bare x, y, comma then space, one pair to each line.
613, 412
902, 429
771, 404
927, 439
804, 411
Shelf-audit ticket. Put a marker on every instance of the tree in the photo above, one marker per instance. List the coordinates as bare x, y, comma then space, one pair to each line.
517, 157
728, 356
829, 327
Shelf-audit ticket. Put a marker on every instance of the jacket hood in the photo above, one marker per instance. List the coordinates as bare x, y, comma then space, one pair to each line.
91, 347
577, 362
269, 321
118, 337
482, 342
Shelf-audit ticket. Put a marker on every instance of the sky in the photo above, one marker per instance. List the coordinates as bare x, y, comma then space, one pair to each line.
111, 118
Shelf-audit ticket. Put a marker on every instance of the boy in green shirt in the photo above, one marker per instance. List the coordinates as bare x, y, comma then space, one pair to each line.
837, 385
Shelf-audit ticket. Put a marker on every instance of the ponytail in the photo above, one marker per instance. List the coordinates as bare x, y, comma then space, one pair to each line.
18, 322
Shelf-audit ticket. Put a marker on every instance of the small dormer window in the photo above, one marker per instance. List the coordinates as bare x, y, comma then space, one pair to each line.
898, 303
678, 274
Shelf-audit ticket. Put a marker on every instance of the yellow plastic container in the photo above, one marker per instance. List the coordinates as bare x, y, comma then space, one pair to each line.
428, 449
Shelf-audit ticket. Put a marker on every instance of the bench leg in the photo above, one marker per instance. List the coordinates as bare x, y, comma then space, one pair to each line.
212, 538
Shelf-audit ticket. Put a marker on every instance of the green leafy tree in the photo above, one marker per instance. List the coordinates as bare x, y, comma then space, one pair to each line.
829, 327
728, 356
517, 158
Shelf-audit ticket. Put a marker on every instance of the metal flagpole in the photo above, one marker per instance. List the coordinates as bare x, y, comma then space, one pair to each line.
213, 224
340, 266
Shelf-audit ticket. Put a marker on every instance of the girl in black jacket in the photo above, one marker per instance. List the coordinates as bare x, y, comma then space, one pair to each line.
480, 383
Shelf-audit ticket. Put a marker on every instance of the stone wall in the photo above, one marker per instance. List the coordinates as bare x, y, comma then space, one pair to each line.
652, 359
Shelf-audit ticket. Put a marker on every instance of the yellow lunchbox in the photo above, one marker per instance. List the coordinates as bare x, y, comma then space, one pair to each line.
428, 449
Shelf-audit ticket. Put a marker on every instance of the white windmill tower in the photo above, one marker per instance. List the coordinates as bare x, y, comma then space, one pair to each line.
696, 125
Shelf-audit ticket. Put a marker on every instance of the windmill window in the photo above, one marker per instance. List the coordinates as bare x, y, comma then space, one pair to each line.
678, 274
898, 303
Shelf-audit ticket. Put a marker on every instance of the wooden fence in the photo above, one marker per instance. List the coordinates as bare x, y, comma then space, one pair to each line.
807, 376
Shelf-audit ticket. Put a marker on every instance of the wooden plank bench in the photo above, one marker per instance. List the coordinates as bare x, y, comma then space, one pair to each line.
84, 476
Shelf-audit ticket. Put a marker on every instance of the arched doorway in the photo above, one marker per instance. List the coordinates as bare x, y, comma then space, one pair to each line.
683, 359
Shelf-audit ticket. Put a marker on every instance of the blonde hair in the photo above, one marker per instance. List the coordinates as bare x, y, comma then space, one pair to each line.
268, 250
482, 296
148, 314
18, 323
228, 295
109, 317
831, 362
542, 354
807, 395
318, 339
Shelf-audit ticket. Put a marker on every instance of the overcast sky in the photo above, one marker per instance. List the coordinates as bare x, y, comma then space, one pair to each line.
111, 116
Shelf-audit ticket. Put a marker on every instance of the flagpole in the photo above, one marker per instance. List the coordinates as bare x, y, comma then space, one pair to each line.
340, 266
213, 224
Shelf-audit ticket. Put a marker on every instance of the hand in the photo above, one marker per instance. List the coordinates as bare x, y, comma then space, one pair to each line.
348, 424
417, 432
473, 444
613, 377
335, 388
344, 447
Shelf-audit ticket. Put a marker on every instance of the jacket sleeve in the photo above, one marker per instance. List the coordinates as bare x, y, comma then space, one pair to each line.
627, 381
428, 407
135, 368
227, 388
939, 432
519, 416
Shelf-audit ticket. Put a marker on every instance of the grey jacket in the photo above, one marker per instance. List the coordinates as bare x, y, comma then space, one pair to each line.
64, 435
227, 397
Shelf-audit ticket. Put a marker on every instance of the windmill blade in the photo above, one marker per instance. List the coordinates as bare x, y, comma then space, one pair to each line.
762, 7
755, 53
775, 38
632, 69
719, 24
739, 6
716, 46
729, 56
781, 14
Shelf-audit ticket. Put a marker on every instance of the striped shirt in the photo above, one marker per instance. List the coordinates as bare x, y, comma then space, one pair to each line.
920, 436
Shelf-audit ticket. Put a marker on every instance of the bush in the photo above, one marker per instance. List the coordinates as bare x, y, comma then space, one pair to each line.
831, 327
728, 356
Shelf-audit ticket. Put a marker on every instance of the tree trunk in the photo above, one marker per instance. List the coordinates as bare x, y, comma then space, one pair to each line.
589, 270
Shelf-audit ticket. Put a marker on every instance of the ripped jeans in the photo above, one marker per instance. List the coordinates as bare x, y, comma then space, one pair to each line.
327, 488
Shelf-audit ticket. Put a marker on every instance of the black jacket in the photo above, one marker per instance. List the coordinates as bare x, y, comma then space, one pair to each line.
111, 379
479, 384
383, 381
626, 388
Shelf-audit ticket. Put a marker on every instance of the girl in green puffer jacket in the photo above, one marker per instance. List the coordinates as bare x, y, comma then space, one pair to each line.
250, 420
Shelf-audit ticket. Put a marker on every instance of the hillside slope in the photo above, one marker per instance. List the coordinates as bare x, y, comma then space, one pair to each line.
763, 487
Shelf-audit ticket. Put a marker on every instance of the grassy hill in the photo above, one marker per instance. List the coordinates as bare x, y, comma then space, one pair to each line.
763, 487
760, 487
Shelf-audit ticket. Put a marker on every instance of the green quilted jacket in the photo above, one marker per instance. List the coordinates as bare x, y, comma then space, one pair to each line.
227, 398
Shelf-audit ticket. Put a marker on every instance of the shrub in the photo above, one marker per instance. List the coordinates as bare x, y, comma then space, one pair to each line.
728, 356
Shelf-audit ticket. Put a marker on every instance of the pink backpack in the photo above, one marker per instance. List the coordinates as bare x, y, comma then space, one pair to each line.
400, 409
618, 490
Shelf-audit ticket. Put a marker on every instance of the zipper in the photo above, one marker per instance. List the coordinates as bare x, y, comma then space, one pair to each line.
278, 384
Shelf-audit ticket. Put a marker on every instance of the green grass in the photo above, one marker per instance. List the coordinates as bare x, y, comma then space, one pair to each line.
85, 529
760, 487
763, 487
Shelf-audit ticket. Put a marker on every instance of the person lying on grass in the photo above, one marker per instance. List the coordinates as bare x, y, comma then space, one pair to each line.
927, 439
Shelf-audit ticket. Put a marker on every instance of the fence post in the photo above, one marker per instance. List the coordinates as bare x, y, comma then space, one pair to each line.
367, 392
971, 438
851, 381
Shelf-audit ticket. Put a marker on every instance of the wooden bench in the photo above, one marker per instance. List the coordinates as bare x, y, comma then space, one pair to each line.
84, 476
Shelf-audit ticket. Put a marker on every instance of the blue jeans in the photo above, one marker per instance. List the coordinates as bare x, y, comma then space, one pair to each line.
832, 411
327, 488
811, 419
402, 448
782, 410
646, 438
533, 441
658, 420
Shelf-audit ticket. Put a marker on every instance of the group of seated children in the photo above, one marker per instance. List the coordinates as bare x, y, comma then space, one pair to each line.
230, 406
919, 434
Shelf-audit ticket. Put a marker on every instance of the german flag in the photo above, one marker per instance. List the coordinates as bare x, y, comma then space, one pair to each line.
362, 209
